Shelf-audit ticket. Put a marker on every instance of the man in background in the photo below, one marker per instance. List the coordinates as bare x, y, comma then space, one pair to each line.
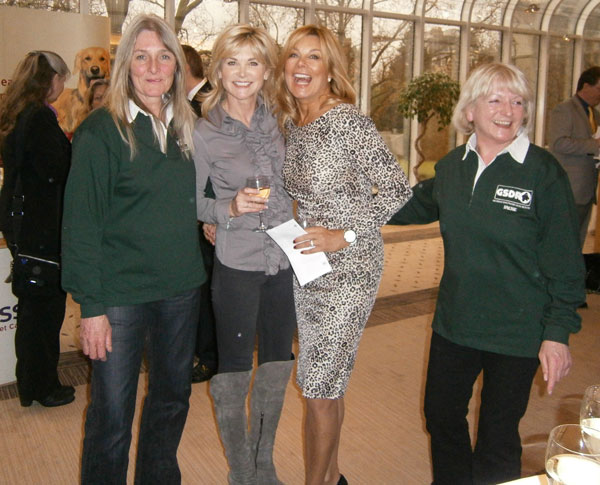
195, 82
206, 341
574, 142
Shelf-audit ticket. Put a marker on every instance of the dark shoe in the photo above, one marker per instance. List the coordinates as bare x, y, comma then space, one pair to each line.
68, 389
59, 397
202, 372
342, 480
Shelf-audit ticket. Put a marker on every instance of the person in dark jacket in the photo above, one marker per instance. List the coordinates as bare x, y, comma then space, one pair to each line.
196, 86
513, 278
36, 156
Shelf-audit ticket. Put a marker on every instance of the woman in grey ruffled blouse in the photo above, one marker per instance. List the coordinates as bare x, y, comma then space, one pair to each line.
252, 289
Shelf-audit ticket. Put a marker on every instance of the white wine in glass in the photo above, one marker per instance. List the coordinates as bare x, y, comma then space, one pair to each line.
569, 459
263, 184
589, 417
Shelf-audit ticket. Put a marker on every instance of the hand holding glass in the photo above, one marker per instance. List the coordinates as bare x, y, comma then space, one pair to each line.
572, 456
263, 184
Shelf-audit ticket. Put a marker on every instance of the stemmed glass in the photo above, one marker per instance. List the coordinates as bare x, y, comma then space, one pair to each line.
572, 456
263, 184
589, 415
304, 221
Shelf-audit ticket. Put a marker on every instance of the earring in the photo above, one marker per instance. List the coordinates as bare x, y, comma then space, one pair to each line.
329, 79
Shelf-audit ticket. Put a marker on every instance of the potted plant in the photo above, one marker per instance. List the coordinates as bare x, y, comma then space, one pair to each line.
428, 95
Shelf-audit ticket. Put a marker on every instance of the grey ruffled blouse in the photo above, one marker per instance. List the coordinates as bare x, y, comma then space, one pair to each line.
228, 152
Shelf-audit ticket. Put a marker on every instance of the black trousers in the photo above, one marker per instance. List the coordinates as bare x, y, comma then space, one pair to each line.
206, 340
451, 374
37, 343
249, 304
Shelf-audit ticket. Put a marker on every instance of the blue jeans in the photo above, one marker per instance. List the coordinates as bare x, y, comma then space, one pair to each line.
451, 374
167, 328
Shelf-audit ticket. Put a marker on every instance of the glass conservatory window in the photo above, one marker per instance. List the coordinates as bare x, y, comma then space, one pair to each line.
528, 14
558, 87
443, 9
348, 28
98, 7
52, 5
391, 70
485, 47
524, 54
441, 49
121, 13
405, 7
591, 54
565, 16
592, 25
278, 21
488, 11
201, 25
342, 3
440, 54
137, 7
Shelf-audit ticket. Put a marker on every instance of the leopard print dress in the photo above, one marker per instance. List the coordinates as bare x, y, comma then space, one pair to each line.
331, 169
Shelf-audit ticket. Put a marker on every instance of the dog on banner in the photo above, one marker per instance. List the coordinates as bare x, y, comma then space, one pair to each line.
91, 64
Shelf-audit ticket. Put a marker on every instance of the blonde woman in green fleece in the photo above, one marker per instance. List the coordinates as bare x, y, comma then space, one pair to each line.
513, 278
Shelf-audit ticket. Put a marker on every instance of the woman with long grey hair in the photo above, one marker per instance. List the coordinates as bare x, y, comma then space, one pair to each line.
132, 259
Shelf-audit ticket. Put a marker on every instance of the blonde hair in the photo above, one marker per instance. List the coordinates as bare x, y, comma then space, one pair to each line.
480, 83
31, 83
340, 87
231, 40
122, 89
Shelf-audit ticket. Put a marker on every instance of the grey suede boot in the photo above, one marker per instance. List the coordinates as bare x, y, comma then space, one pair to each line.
268, 392
229, 391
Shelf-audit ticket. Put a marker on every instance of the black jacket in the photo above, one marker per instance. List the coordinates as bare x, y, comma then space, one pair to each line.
45, 166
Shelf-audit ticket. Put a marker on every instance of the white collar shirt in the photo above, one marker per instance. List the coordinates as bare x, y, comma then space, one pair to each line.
517, 150
159, 128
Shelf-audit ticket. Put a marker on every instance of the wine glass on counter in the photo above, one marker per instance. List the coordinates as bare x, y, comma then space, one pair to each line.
589, 415
573, 456
263, 184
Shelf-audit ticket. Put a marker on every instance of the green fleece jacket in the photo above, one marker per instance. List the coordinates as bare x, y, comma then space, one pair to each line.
129, 227
513, 270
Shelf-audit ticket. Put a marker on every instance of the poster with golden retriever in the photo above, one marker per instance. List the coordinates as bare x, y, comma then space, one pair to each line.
91, 64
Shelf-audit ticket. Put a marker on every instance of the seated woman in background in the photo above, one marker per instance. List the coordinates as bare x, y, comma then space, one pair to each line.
334, 158
513, 278
238, 139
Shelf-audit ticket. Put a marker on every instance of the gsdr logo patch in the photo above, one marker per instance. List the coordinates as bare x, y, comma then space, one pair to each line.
513, 196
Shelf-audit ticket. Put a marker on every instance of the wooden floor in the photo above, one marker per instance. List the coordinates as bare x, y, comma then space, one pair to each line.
383, 442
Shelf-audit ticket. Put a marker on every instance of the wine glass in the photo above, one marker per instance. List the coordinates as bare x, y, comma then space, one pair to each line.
589, 415
263, 184
572, 456
304, 221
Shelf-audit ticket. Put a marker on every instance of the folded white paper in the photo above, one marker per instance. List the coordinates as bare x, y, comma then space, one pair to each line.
307, 267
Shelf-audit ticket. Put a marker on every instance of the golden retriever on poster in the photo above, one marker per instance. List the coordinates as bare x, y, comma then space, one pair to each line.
91, 63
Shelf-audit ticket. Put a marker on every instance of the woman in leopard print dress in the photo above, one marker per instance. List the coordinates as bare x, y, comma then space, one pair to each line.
334, 160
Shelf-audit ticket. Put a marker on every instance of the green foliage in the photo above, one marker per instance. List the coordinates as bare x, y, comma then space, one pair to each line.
432, 93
